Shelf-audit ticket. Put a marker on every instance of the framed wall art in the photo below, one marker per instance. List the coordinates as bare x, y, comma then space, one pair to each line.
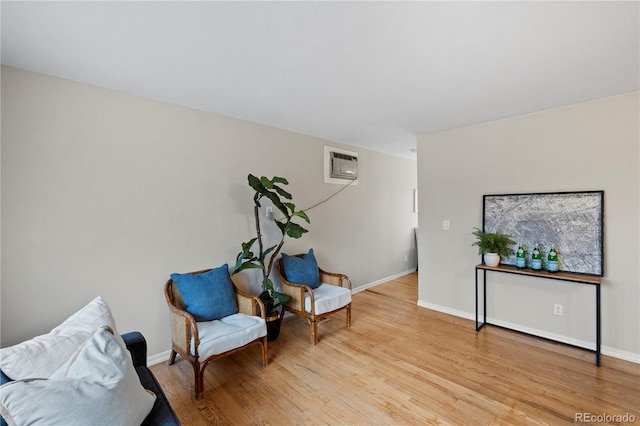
572, 221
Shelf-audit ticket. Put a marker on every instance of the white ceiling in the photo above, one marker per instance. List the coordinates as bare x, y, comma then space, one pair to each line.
370, 74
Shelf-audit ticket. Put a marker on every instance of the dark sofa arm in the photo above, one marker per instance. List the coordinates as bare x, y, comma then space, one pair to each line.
162, 413
137, 345
4, 378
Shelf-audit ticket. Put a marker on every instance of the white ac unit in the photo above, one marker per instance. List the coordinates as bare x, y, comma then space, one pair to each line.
344, 166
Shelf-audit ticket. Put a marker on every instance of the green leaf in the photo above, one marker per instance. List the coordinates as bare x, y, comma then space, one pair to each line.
266, 182
247, 246
237, 266
281, 226
246, 250
268, 302
244, 257
277, 203
303, 215
265, 295
255, 183
268, 284
246, 265
282, 298
294, 230
266, 252
278, 179
282, 192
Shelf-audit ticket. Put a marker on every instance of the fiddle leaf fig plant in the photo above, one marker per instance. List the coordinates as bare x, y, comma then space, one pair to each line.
265, 257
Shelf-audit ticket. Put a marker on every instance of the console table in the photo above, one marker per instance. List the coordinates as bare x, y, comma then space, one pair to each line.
563, 276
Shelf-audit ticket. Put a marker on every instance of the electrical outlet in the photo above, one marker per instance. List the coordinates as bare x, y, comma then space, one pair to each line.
406, 258
446, 225
557, 309
269, 212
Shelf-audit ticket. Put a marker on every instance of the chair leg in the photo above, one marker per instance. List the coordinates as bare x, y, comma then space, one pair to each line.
172, 357
349, 315
199, 379
314, 331
265, 356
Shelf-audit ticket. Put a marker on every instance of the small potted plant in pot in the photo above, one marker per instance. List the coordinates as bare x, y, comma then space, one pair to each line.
493, 245
264, 258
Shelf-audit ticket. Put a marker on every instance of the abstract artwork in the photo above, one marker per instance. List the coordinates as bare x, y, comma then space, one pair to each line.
572, 221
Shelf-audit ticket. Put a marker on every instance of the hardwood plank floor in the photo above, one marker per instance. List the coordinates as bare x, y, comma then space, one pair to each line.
401, 364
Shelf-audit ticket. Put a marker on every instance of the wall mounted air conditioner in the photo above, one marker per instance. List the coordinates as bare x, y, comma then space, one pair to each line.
340, 166
343, 166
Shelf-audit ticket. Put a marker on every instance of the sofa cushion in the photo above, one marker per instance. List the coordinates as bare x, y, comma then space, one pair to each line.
99, 379
302, 270
328, 298
43, 355
208, 296
228, 333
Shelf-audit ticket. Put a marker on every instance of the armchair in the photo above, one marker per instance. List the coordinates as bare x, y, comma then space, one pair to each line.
314, 304
202, 342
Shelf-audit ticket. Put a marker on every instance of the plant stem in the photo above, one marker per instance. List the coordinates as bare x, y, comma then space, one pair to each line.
256, 212
274, 255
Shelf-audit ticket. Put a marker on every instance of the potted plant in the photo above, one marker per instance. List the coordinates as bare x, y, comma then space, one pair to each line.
493, 245
264, 258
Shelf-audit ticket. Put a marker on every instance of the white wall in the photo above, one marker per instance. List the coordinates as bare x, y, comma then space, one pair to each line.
107, 193
588, 146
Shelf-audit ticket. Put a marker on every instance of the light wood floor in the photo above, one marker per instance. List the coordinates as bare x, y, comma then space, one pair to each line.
400, 364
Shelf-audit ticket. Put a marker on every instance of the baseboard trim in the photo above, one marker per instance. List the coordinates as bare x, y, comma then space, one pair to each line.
605, 350
446, 310
382, 281
158, 358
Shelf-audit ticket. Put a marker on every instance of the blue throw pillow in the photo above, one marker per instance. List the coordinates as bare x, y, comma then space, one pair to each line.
302, 270
209, 295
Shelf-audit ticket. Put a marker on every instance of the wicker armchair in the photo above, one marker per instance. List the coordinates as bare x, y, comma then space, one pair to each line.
200, 343
315, 304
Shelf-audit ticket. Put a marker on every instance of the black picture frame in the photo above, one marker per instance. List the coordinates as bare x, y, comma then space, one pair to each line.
572, 221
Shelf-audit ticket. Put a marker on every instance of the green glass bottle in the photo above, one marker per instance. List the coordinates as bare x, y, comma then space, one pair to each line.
536, 259
552, 259
521, 261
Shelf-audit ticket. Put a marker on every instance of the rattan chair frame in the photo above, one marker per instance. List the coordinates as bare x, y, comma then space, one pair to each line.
184, 328
297, 293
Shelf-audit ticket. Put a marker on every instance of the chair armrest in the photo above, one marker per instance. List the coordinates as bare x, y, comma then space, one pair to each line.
249, 304
297, 293
137, 345
183, 329
334, 278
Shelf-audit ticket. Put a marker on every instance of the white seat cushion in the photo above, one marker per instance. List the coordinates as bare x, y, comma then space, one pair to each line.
328, 298
228, 333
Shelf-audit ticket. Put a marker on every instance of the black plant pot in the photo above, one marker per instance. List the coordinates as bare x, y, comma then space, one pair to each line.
273, 326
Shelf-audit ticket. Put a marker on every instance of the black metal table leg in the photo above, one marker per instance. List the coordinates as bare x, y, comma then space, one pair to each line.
484, 299
484, 296
598, 326
476, 273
